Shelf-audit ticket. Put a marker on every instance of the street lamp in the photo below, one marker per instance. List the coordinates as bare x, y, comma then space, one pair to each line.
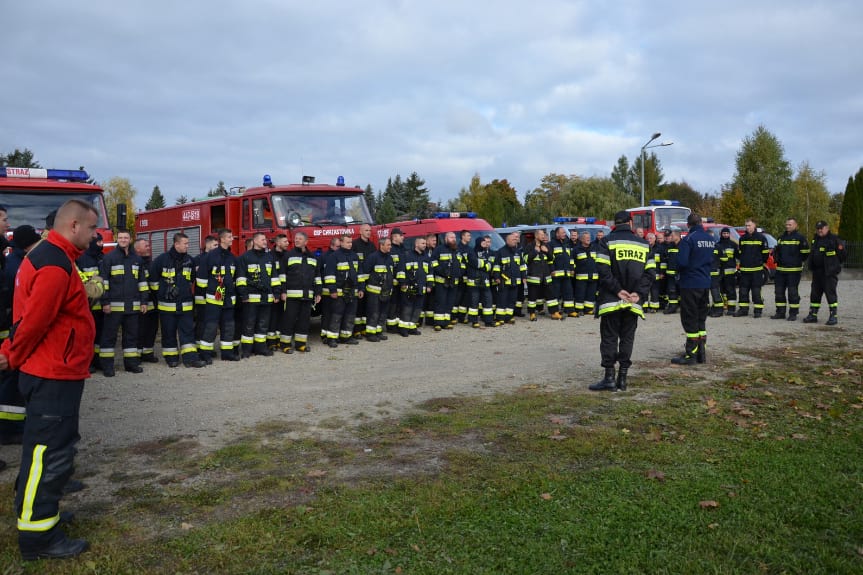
644, 147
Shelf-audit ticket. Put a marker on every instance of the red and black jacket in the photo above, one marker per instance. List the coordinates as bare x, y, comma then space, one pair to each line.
53, 330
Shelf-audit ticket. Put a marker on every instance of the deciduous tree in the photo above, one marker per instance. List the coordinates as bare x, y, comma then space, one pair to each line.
120, 191
765, 178
811, 200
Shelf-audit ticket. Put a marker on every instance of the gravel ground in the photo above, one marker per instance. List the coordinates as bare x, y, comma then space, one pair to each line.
331, 388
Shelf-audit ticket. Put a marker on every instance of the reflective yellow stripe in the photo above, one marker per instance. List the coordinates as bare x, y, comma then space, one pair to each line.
25, 521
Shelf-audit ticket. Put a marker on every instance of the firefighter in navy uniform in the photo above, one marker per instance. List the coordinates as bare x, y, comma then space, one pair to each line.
561, 303
325, 304
655, 247
123, 301
149, 325
280, 246
672, 241
447, 272
625, 275
790, 253
341, 280
378, 287
586, 274
537, 258
258, 286
302, 287
171, 279
210, 243
508, 273
363, 247
718, 307
413, 278
12, 408
729, 256
397, 252
695, 261
827, 255
753, 255
89, 268
478, 281
216, 282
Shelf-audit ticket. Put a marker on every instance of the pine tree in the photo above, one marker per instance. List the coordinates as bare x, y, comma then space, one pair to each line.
371, 202
417, 197
19, 159
157, 200
219, 191
850, 225
181, 200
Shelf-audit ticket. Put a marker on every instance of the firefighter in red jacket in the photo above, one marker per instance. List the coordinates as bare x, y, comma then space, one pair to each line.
51, 342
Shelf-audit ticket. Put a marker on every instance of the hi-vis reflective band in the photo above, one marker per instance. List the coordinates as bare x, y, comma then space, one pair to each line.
12, 413
25, 521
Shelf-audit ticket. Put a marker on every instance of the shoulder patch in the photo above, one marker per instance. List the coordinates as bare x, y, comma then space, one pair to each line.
47, 254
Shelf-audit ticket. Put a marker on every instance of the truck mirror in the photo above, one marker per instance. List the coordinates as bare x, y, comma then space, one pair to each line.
295, 219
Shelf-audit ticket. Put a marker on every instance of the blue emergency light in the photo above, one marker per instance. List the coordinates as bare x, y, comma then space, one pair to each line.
664, 202
447, 215
340, 181
574, 220
268, 181
68, 175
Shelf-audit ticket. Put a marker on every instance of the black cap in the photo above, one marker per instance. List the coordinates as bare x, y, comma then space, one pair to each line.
25, 236
726, 231
397, 231
820, 224
622, 217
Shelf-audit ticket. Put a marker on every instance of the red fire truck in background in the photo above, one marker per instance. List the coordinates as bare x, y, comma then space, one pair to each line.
321, 211
658, 215
30, 194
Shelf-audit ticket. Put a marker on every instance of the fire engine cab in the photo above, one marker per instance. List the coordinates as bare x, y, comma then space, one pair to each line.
439, 224
659, 214
30, 194
321, 211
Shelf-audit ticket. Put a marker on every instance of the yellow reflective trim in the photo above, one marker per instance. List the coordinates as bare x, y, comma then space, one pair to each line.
34, 477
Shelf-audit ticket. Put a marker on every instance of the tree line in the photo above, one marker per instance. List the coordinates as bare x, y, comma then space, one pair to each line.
764, 186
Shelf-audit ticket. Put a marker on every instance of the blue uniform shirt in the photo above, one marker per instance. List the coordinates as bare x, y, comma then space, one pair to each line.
695, 259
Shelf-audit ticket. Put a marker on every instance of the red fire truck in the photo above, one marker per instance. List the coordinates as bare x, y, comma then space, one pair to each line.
30, 194
321, 211
658, 215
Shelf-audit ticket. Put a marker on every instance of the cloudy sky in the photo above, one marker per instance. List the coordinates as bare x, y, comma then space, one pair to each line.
182, 94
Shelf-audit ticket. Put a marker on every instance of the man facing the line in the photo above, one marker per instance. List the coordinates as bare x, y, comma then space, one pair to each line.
54, 364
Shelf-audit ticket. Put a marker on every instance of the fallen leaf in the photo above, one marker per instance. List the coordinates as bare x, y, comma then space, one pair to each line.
372, 551
398, 569
316, 473
645, 412
415, 547
654, 434
185, 526
713, 526
546, 496
624, 430
798, 436
390, 551
655, 474
708, 504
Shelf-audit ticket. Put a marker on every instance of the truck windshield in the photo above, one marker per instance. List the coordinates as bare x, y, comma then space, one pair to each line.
665, 216
28, 207
323, 209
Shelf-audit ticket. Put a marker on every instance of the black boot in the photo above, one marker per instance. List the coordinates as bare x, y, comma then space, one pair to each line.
716, 312
811, 318
780, 313
621, 378
606, 384
730, 311
832, 320
792, 315
61, 549
689, 353
672, 308
742, 312
701, 352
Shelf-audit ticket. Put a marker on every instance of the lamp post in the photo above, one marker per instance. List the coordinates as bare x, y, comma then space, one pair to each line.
644, 147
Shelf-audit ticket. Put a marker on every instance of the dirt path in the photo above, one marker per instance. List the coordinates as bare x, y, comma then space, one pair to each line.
328, 389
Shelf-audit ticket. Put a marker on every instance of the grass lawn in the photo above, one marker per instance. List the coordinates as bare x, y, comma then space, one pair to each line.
756, 470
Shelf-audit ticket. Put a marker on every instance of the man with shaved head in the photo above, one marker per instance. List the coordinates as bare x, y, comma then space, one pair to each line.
52, 346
